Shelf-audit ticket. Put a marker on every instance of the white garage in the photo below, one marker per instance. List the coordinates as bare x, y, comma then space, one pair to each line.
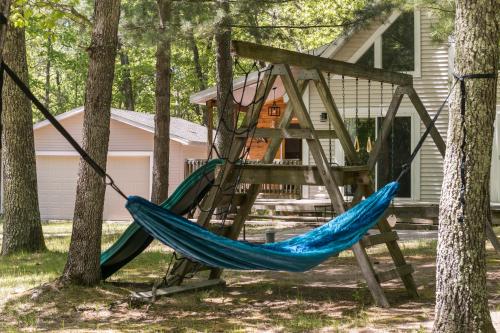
130, 160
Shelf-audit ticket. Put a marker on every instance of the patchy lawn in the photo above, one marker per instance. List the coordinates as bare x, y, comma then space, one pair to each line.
331, 298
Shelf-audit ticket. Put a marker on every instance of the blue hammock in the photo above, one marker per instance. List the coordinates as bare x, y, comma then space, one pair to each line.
296, 254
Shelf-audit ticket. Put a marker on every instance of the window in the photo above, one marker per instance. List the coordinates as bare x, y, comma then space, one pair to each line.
395, 151
368, 59
395, 48
398, 44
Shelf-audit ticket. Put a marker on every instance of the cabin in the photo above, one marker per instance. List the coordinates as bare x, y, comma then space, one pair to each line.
401, 42
130, 159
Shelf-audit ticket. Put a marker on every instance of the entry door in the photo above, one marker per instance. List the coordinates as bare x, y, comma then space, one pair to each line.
293, 147
495, 163
395, 150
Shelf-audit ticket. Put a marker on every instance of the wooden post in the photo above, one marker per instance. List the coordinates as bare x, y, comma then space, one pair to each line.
210, 125
335, 119
386, 126
426, 119
216, 192
307, 61
314, 145
254, 189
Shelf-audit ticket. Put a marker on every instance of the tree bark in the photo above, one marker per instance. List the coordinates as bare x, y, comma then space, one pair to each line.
5, 10
22, 227
162, 105
126, 86
82, 266
47, 72
202, 82
461, 295
224, 65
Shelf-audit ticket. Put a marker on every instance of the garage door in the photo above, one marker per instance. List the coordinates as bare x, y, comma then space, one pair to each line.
57, 177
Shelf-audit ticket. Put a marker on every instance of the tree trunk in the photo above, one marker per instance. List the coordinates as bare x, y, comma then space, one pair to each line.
22, 227
5, 9
47, 72
461, 295
224, 65
61, 98
162, 97
82, 266
126, 86
202, 82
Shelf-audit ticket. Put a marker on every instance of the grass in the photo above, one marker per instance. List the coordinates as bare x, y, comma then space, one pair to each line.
331, 298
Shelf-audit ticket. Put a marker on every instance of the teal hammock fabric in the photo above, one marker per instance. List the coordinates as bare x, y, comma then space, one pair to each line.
296, 254
134, 240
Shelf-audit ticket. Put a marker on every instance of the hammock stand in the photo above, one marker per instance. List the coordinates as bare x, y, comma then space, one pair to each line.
308, 70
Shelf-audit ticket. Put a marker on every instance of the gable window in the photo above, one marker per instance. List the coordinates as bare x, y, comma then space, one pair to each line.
396, 46
368, 59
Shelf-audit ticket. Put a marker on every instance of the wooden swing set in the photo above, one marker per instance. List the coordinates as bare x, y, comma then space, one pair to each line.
308, 69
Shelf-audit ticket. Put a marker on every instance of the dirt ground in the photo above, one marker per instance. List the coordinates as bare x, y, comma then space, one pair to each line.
330, 298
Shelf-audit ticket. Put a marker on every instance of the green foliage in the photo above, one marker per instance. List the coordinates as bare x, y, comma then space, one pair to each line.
58, 33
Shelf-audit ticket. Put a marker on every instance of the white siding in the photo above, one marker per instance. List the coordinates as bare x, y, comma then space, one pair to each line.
432, 87
123, 137
57, 164
178, 154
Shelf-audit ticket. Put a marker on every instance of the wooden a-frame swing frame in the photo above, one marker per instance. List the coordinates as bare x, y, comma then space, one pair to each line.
311, 70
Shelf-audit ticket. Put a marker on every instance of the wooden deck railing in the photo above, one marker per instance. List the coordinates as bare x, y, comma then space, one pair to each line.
287, 191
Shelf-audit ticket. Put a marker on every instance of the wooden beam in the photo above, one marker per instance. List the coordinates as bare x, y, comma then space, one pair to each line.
394, 273
254, 189
315, 147
287, 133
275, 143
280, 56
336, 120
370, 275
296, 174
251, 118
149, 295
386, 126
426, 119
381, 238
394, 249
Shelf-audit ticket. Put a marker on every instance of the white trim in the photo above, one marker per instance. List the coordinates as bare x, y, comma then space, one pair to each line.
376, 40
377, 49
305, 147
336, 45
124, 153
59, 117
118, 118
414, 137
132, 123
59, 153
203, 96
417, 71
376, 35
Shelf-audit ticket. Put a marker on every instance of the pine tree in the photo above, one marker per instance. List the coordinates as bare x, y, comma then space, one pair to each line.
22, 226
461, 295
82, 266
162, 97
224, 64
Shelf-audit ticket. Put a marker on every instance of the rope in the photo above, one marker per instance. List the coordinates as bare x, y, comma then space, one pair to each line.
463, 162
406, 166
57, 125
461, 79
